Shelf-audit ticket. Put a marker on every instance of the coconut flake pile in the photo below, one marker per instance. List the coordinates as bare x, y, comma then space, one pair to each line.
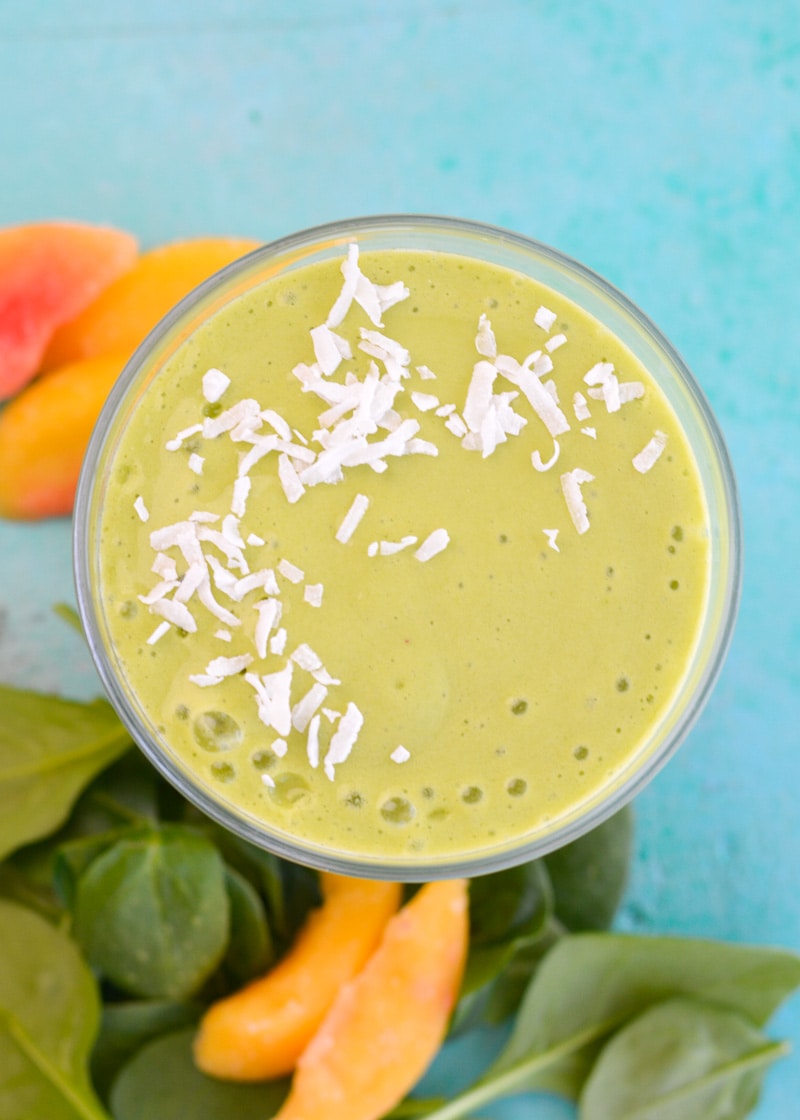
370, 415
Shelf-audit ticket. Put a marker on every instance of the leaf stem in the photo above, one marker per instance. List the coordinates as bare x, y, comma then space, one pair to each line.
515, 1079
764, 1056
85, 1106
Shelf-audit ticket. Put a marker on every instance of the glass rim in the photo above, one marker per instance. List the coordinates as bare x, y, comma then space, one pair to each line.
476, 861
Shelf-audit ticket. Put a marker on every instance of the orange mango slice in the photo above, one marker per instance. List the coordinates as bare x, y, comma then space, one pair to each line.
49, 272
386, 1025
44, 431
120, 318
260, 1032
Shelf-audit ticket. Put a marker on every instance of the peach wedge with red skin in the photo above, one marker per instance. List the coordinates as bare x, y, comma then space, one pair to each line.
49, 272
124, 314
44, 432
260, 1032
387, 1024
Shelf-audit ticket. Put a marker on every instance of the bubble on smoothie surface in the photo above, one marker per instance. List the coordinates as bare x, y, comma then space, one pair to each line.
471, 795
217, 731
223, 771
397, 810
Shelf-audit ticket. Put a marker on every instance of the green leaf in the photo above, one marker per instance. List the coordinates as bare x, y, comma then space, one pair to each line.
127, 1027
589, 875
152, 912
250, 950
509, 904
509, 911
288, 890
162, 1083
68, 614
72, 858
679, 1059
49, 1011
589, 984
50, 749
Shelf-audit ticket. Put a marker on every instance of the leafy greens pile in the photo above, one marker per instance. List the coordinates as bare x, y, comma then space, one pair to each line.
124, 913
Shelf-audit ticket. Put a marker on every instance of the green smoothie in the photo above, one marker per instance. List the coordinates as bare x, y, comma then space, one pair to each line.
405, 555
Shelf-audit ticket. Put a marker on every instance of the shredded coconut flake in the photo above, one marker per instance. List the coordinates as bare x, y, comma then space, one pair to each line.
456, 425
177, 443
254, 539
400, 754
196, 463
268, 780
141, 509
352, 518
545, 318
205, 680
426, 374
223, 635
389, 548
554, 342
551, 535
158, 633
590, 432
536, 458
269, 613
312, 742
485, 342
343, 739
241, 492
571, 483
290, 571
175, 613
424, 401
650, 453
215, 382
228, 666
312, 594
329, 348
436, 542
581, 407
306, 707
305, 657
279, 747
289, 479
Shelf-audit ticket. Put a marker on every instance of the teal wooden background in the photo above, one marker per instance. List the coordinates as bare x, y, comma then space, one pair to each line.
658, 143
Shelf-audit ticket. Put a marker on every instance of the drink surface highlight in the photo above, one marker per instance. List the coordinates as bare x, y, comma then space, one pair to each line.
490, 691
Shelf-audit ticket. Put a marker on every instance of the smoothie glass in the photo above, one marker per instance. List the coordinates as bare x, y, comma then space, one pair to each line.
478, 244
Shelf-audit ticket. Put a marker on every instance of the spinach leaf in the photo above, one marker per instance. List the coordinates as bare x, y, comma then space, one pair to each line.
589, 875
152, 913
49, 1010
680, 1058
509, 904
288, 890
67, 613
21, 881
127, 1027
162, 1083
49, 750
509, 910
250, 950
589, 984
74, 857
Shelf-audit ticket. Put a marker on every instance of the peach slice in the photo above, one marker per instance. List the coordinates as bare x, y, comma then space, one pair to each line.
128, 310
259, 1032
49, 272
387, 1024
44, 431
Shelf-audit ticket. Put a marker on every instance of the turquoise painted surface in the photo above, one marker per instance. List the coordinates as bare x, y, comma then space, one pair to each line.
659, 144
